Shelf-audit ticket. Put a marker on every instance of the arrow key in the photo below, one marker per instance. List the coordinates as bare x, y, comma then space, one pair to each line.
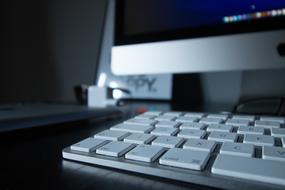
237, 149
200, 144
273, 153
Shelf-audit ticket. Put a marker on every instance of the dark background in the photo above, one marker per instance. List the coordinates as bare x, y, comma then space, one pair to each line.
49, 46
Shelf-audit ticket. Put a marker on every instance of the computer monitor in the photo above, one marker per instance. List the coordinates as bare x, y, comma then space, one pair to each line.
184, 36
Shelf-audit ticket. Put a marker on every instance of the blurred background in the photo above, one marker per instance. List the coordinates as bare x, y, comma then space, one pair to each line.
49, 46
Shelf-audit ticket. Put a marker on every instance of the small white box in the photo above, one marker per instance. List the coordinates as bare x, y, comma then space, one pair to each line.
97, 96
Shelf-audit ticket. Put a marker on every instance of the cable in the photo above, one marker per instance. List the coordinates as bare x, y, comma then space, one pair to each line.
278, 110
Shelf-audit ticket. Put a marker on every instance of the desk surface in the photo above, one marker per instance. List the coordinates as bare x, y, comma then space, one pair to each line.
31, 159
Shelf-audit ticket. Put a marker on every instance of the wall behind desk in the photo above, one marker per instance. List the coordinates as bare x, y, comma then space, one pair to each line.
49, 46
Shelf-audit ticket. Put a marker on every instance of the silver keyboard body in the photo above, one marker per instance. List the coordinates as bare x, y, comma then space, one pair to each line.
216, 150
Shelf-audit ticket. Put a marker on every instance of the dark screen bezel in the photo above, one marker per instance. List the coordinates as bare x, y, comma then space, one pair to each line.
121, 38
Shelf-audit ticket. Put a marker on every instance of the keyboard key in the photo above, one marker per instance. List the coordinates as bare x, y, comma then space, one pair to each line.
168, 141
273, 153
111, 135
88, 145
115, 148
187, 119
267, 171
199, 115
191, 133
167, 124
209, 121
164, 131
237, 122
250, 130
143, 116
222, 136
140, 122
220, 127
197, 126
165, 118
219, 116
145, 153
200, 144
276, 119
244, 117
189, 159
267, 124
133, 128
259, 140
153, 113
175, 114
139, 138
237, 149
278, 132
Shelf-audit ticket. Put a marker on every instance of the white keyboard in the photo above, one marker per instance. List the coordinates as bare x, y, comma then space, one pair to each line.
218, 150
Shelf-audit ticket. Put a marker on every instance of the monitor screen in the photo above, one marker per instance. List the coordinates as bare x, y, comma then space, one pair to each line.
140, 21
186, 36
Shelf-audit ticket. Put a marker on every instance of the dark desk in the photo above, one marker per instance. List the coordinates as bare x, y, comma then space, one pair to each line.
31, 159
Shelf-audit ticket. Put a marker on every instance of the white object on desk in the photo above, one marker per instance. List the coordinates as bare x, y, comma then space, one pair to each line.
97, 97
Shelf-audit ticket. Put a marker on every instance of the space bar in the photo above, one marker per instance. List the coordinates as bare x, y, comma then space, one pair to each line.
250, 168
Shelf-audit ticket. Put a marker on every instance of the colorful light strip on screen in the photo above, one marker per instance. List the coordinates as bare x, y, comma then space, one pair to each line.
251, 16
